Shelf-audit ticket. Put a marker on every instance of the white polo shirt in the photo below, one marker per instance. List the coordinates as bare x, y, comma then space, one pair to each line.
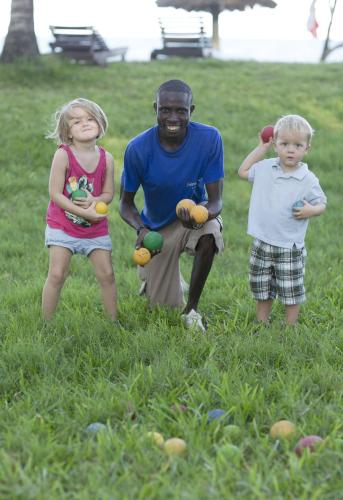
273, 194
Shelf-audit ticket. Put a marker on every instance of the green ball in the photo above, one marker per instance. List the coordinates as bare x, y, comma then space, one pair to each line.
153, 241
79, 193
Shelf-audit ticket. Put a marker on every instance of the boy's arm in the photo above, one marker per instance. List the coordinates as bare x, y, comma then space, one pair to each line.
309, 210
256, 155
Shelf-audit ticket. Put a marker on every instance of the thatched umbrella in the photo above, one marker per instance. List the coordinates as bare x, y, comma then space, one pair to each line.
215, 7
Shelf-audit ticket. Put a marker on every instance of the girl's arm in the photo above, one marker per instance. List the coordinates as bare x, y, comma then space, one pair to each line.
256, 155
108, 188
56, 185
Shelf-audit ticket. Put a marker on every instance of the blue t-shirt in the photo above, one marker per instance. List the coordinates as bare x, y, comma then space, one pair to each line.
168, 177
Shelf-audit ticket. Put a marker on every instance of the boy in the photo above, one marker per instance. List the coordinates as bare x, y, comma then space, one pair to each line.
277, 260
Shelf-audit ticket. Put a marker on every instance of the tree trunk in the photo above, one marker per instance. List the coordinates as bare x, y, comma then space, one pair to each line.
21, 39
215, 11
326, 48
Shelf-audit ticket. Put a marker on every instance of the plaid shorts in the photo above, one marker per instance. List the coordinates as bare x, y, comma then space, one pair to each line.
276, 271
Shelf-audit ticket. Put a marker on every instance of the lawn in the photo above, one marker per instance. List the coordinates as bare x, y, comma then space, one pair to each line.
57, 378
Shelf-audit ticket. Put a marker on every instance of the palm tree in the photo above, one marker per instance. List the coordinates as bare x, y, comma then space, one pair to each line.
215, 7
21, 38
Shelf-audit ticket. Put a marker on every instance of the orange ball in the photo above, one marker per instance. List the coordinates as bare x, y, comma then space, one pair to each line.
101, 208
141, 256
282, 429
186, 203
199, 213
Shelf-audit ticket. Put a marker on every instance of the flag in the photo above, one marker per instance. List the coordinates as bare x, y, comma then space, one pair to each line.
312, 24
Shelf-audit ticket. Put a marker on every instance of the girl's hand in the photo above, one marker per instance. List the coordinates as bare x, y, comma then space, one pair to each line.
85, 202
91, 215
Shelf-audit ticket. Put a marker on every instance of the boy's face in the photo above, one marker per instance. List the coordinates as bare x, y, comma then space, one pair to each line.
291, 147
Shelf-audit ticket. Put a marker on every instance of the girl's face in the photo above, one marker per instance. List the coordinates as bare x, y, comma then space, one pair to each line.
291, 147
82, 126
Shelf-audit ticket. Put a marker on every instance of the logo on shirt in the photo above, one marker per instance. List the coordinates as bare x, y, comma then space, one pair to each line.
73, 185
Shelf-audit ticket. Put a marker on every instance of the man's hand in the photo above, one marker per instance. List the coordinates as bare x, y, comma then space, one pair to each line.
139, 241
186, 219
140, 238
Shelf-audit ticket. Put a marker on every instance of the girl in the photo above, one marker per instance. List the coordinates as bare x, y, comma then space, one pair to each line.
82, 174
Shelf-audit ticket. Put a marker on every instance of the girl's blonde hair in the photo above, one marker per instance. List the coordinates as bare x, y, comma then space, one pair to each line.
294, 123
61, 128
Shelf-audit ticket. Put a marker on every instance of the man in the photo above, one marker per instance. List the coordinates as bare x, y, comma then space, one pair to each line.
173, 160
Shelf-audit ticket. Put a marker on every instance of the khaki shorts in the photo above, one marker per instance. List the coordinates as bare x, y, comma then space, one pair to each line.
162, 275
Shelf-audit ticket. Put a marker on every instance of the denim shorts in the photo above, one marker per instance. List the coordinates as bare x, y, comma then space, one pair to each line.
83, 246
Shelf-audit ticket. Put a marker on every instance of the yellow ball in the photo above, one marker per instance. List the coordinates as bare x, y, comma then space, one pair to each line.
175, 446
101, 208
199, 213
186, 203
282, 429
156, 438
141, 256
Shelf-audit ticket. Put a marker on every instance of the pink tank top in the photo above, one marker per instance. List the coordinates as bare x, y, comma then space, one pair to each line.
77, 178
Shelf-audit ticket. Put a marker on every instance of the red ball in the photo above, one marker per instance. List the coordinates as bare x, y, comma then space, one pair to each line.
309, 442
266, 133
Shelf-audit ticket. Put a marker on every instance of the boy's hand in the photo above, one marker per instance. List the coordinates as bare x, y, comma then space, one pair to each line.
304, 212
264, 146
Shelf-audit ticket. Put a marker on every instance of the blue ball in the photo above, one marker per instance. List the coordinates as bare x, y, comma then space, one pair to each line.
215, 414
96, 427
298, 204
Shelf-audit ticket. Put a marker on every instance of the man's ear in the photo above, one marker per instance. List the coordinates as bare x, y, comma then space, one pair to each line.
191, 109
155, 107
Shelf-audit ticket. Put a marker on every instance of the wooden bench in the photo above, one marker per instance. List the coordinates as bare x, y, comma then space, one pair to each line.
183, 38
83, 43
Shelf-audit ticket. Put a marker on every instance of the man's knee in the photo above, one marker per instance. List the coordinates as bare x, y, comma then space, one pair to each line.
206, 244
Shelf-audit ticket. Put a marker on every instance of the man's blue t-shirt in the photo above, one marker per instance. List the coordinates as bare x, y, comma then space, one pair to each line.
167, 178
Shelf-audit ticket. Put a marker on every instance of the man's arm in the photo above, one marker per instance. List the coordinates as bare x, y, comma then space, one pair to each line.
256, 155
214, 194
130, 214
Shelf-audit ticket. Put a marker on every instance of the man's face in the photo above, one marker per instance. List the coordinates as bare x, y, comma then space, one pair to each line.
173, 111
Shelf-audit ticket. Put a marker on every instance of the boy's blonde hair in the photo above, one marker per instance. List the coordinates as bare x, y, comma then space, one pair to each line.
294, 123
64, 114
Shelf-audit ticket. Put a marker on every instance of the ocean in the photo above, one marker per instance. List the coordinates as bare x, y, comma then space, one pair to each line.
284, 51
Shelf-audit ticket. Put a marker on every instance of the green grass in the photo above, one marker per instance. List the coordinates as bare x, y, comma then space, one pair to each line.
56, 379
